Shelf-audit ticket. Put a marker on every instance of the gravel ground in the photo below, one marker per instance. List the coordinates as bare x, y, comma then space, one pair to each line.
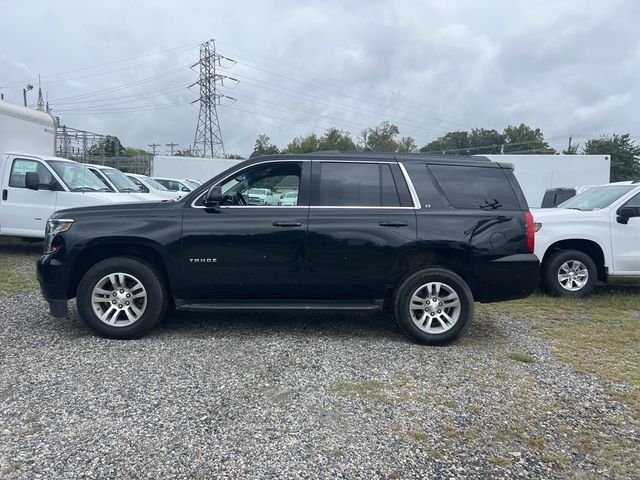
297, 396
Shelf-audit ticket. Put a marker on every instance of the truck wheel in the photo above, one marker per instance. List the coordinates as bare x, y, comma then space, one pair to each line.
121, 298
569, 273
434, 306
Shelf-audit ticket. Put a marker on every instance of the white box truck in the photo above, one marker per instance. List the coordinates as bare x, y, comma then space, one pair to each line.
196, 168
33, 182
537, 173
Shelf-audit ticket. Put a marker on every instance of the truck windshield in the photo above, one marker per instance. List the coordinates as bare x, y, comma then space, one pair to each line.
120, 180
77, 177
597, 197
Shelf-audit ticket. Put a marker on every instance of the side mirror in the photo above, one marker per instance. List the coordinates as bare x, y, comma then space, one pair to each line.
213, 197
625, 213
32, 181
185, 189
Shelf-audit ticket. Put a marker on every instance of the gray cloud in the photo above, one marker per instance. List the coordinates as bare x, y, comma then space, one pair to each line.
569, 67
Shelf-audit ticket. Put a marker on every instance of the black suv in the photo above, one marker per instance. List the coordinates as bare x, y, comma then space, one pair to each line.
421, 235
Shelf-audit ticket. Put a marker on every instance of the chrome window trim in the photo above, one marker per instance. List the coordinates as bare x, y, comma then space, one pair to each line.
412, 190
407, 178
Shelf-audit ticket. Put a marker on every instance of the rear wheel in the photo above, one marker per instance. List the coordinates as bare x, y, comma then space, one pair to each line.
569, 273
121, 298
434, 306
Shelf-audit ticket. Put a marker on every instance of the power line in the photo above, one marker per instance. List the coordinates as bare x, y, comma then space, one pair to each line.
90, 67
315, 75
171, 146
153, 146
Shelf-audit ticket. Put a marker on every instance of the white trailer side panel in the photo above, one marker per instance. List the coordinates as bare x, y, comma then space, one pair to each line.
26, 130
196, 168
536, 173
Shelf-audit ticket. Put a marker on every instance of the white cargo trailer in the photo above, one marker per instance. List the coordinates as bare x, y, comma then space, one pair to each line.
196, 168
537, 173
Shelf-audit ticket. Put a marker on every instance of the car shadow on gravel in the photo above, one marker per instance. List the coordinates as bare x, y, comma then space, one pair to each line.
378, 325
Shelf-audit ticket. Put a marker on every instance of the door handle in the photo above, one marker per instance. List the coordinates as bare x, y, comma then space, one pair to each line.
393, 223
287, 224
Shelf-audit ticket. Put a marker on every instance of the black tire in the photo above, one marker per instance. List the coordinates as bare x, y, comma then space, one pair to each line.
551, 267
406, 291
156, 297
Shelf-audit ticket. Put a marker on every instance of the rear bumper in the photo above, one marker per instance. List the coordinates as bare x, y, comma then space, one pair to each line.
52, 277
509, 278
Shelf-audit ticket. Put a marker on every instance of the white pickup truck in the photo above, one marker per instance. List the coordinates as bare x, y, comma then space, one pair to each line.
592, 236
33, 182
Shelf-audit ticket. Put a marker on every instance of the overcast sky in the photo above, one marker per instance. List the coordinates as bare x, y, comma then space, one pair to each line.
567, 67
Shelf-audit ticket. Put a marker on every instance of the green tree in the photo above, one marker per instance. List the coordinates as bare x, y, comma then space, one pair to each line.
452, 142
234, 156
108, 146
623, 150
407, 145
264, 146
185, 152
524, 139
334, 139
383, 138
484, 141
303, 144
133, 152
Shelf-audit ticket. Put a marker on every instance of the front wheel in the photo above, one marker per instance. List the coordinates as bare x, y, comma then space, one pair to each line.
121, 298
434, 306
569, 273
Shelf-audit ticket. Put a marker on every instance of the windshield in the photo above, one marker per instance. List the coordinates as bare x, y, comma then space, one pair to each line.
77, 177
192, 184
155, 185
597, 197
120, 180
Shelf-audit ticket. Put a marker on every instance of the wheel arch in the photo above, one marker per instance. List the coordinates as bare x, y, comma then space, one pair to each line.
138, 249
588, 247
458, 262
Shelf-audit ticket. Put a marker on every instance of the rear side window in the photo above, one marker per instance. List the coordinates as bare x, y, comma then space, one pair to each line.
475, 187
347, 184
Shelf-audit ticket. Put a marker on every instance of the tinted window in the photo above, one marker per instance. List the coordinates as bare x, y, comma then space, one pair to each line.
475, 187
346, 184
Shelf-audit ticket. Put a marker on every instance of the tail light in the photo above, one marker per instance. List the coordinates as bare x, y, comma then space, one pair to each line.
531, 237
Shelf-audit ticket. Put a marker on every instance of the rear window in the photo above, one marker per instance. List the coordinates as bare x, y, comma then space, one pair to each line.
475, 187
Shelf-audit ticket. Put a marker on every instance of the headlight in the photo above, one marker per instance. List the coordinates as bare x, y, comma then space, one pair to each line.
55, 226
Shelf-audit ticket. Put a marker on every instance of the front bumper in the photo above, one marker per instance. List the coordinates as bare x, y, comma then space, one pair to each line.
509, 278
52, 277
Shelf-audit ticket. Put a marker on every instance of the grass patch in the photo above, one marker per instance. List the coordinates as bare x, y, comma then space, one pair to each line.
599, 334
367, 389
14, 253
499, 461
419, 436
521, 357
30, 418
32, 431
338, 453
13, 467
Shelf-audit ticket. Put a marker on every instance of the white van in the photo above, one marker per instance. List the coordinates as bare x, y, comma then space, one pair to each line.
34, 183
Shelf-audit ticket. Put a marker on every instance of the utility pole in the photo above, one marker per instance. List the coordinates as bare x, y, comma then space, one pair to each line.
171, 146
153, 147
208, 138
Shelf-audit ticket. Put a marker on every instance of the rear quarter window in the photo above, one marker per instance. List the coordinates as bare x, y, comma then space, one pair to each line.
475, 187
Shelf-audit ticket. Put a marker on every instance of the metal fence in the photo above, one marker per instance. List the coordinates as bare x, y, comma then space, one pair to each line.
139, 164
